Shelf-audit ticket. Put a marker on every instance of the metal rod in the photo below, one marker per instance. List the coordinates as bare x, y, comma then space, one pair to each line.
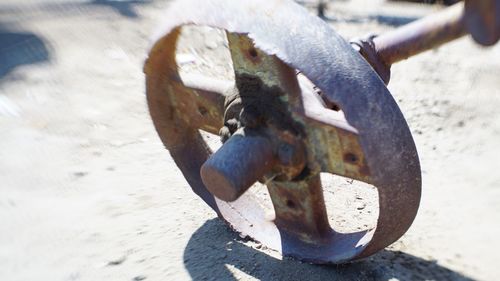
421, 35
237, 165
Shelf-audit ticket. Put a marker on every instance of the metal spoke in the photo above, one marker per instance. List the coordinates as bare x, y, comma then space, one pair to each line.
250, 61
200, 100
332, 144
300, 208
335, 147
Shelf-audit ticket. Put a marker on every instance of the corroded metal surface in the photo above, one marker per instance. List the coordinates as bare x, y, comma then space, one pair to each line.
421, 35
372, 143
384, 50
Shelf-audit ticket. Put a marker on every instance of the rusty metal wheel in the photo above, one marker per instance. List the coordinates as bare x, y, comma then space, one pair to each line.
277, 131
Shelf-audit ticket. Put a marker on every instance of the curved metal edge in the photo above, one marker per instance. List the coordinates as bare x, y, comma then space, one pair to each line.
160, 68
306, 43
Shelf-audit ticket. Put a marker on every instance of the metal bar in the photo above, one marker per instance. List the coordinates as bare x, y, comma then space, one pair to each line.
300, 208
421, 35
205, 99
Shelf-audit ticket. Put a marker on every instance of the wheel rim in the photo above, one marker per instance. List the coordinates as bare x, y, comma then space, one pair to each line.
345, 79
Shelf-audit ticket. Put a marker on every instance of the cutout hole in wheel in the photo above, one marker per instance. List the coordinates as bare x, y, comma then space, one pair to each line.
290, 204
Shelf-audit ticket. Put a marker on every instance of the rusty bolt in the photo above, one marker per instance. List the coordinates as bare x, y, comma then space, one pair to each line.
224, 134
232, 125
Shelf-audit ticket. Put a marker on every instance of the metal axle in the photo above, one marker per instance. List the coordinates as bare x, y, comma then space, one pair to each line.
481, 19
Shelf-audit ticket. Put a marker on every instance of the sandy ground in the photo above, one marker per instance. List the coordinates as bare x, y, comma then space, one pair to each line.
87, 191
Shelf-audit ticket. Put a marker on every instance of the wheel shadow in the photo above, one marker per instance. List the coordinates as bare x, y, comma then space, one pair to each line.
323, 7
19, 48
214, 252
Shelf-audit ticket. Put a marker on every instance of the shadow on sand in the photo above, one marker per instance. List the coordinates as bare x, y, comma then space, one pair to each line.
124, 7
20, 48
213, 249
